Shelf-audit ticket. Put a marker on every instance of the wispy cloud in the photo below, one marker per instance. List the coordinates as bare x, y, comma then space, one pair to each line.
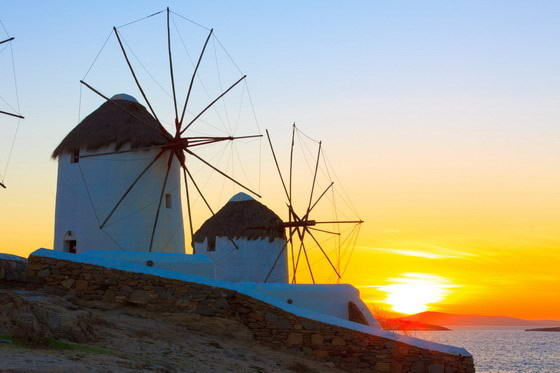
431, 253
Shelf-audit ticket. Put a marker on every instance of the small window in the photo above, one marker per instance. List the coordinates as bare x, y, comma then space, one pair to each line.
70, 246
167, 200
211, 244
75, 158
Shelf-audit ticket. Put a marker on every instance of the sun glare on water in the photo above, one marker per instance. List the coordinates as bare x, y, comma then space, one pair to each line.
415, 292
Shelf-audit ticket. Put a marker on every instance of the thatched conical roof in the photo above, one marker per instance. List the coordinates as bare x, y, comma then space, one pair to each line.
242, 217
117, 123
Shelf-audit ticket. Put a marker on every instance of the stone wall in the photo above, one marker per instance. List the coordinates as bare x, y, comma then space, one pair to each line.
348, 349
12, 268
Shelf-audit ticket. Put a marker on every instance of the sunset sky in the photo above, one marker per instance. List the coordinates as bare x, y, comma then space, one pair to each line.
441, 118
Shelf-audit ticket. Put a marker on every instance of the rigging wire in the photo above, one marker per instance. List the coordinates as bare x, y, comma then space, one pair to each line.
14, 137
198, 77
141, 19
190, 20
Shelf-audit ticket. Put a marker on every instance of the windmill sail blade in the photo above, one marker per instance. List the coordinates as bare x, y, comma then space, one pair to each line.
288, 195
278, 258
129, 189
323, 251
162, 130
12, 114
7, 40
314, 181
212, 103
134, 76
188, 206
171, 72
169, 161
193, 76
223, 173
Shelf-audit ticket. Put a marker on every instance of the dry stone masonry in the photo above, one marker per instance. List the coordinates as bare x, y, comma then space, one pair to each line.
350, 350
12, 268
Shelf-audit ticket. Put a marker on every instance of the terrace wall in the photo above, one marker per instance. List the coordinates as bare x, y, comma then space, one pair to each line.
350, 350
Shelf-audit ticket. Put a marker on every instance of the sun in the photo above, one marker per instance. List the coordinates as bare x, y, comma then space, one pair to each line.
415, 292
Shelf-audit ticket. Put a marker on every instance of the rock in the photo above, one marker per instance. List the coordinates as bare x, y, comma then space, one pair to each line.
67, 283
295, 339
139, 297
436, 368
34, 320
321, 354
417, 367
337, 341
211, 325
316, 339
44, 273
12, 267
81, 285
382, 367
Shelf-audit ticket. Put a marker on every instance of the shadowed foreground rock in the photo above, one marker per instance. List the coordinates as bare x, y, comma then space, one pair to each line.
36, 319
267, 325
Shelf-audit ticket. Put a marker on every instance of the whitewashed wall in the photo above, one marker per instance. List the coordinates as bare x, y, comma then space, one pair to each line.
251, 263
198, 264
88, 190
330, 299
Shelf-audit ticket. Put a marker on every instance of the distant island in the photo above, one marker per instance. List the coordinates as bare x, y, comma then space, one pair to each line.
450, 320
407, 325
556, 329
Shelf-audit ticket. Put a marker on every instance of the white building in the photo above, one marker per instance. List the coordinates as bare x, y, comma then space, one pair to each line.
90, 185
244, 239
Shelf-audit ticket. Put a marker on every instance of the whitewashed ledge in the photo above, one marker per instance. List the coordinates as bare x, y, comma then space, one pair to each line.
249, 290
12, 267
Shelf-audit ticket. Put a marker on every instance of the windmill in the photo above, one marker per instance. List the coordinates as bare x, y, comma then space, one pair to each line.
178, 145
14, 112
300, 225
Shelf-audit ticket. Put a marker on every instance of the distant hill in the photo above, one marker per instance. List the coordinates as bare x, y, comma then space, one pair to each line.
407, 325
543, 330
449, 319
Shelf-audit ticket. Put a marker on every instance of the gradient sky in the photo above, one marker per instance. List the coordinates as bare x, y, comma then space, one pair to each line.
441, 118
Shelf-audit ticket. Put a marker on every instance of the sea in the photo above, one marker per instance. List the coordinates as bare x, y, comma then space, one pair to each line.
504, 349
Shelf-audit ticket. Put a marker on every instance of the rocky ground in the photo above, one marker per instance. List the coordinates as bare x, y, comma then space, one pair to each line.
42, 332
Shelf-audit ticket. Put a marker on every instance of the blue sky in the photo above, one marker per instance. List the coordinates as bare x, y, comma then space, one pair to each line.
439, 113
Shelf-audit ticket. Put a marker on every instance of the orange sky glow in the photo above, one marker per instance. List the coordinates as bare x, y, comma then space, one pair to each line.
442, 125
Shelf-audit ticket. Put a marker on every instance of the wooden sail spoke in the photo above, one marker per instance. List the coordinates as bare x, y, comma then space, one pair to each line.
211, 104
12, 114
291, 160
323, 251
198, 190
129, 189
204, 140
314, 180
171, 72
324, 231
308, 264
115, 102
7, 40
278, 257
192, 79
340, 222
189, 207
135, 77
222, 173
278, 168
156, 220
321, 196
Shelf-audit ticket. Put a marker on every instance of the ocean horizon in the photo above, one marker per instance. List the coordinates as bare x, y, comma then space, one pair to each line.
499, 349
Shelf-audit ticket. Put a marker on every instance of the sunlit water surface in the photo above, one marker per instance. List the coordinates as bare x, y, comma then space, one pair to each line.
504, 350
